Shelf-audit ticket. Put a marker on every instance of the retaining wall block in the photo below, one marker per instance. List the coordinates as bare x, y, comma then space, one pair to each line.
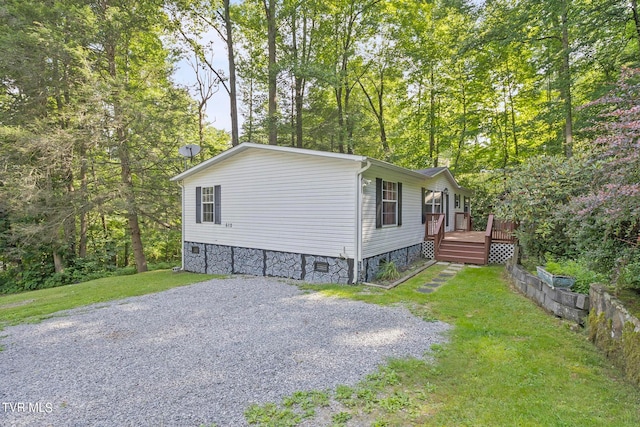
553, 307
572, 314
550, 293
582, 302
567, 298
535, 294
522, 286
534, 281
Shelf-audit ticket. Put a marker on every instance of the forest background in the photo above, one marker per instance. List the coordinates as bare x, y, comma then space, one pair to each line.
531, 103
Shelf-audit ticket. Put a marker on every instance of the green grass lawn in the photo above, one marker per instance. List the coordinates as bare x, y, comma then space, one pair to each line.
34, 306
508, 363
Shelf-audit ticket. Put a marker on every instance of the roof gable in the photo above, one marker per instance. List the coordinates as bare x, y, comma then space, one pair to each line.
433, 172
252, 146
429, 173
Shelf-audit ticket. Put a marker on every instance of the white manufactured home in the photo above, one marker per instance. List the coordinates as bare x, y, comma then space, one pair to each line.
309, 215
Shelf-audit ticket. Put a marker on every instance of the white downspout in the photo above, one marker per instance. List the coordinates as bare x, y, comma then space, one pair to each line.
180, 183
358, 233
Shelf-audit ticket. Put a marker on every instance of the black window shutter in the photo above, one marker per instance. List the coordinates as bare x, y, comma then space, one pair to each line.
378, 202
198, 205
218, 208
399, 203
424, 206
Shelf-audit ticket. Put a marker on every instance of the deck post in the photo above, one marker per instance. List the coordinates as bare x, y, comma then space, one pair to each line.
487, 239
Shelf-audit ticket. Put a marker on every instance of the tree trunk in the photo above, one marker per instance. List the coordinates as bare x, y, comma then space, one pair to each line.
565, 82
132, 214
249, 127
233, 97
378, 111
636, 20
125, 165
463, 131
58, 263
432, 118
84, 197
341, 126
270, 10
299, 97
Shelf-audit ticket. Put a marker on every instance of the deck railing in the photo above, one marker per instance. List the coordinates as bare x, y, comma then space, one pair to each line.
488, 235
431, 222
434, 230
439, 236
463, 221
503, 231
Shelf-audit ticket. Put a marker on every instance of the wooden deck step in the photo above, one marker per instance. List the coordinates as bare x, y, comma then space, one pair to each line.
462, 252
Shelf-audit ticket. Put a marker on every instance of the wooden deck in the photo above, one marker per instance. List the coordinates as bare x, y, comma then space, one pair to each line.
468, 247
465, 236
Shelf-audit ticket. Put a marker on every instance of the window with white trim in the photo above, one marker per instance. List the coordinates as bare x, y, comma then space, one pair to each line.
433, 201
208, 209
389, 203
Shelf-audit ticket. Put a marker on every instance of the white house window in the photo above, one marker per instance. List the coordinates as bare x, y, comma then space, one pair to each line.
389, 203
433, 201
208, 211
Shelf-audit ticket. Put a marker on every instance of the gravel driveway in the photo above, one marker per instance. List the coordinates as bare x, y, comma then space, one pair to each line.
197, 354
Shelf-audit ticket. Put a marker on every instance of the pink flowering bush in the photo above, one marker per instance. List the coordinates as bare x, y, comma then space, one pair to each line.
606, 226
587, 207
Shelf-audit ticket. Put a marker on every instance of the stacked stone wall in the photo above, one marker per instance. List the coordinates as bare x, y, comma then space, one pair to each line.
561, 302
615, 331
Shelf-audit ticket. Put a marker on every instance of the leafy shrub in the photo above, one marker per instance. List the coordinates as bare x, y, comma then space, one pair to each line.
538, 194
579, 270
388, 271
630, 275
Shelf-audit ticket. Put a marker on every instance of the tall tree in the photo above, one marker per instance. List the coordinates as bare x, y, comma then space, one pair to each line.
272, 115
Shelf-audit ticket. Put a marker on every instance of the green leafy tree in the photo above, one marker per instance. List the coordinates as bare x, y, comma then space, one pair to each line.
538, 192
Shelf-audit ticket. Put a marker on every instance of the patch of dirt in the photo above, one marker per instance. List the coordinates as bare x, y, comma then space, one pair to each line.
17, 304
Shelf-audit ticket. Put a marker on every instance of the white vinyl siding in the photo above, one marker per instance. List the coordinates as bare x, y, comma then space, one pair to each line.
279, 201
380, 240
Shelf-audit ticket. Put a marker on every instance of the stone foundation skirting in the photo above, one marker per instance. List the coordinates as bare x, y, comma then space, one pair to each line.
221, 259
561, 302
400, 257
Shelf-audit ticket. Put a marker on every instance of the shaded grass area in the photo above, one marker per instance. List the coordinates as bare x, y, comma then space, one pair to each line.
508, 363
631, 300
34, 306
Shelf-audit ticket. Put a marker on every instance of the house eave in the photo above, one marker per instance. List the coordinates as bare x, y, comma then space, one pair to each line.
273, 148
